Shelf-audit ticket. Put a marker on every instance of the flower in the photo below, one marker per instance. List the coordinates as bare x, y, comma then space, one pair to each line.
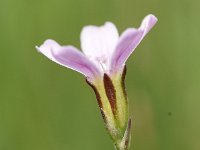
103, 50
102, 62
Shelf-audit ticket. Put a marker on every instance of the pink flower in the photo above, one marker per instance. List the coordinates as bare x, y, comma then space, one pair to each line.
103, 63
104, 51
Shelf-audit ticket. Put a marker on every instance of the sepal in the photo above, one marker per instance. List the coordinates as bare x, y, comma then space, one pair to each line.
112, 100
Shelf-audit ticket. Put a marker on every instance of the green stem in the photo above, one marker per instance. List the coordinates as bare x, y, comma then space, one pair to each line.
124, 143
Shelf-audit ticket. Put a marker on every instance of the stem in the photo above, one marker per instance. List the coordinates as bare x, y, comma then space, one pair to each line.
124, 143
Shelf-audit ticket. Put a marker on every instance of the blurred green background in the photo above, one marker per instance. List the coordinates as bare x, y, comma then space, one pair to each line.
44, 106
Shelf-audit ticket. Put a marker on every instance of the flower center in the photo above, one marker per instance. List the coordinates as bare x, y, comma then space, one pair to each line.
103, 62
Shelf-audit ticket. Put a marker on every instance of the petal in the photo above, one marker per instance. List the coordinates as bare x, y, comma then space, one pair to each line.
100, 41
129, 40
69, 57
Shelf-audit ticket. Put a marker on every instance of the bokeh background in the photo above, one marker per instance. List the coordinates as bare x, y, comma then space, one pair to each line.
44, 106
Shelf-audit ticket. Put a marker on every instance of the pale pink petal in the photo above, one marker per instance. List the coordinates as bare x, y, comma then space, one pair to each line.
99, 42
69, 57
129, 40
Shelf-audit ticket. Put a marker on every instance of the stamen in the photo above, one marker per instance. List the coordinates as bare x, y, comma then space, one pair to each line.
102, 65
102, 61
